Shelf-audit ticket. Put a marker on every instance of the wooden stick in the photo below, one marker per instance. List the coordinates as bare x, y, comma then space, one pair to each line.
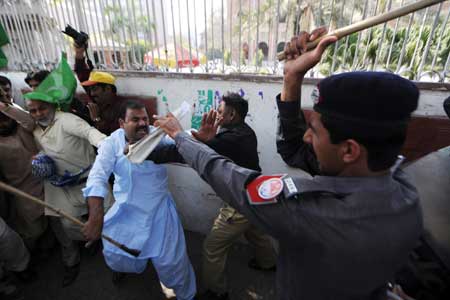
17, 192
372, 21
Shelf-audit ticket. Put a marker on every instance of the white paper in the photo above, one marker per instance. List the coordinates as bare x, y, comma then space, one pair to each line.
139, 151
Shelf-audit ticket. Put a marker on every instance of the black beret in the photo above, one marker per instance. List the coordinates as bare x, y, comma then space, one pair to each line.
366, 98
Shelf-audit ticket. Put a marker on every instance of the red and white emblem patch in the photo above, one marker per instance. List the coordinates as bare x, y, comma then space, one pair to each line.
270, 188
265, 189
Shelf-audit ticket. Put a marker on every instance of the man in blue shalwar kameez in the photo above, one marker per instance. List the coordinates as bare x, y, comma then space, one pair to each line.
144, 215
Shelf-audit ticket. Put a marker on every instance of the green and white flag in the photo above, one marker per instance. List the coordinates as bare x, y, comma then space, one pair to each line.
58, 87
3, 41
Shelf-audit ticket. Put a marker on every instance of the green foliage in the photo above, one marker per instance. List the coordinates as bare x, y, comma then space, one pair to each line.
227, 58
122, 25
372, 44
214, 54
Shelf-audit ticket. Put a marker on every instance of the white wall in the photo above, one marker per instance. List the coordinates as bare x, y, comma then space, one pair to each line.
196, 202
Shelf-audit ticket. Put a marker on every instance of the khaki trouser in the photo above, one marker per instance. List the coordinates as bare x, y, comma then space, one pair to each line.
30, 230
67, 233
228, 227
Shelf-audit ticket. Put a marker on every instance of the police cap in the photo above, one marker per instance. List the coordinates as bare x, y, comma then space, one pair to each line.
366, 98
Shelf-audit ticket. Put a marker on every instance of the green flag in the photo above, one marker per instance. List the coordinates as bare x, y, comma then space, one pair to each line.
58, 87
3, 41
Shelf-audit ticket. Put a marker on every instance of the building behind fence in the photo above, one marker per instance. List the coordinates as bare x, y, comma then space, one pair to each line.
226, 36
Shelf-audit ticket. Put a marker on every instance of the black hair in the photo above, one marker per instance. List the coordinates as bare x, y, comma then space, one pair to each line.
382, 152
130, 105
105, 85
4, 80
280, 46
39, 76
264, 48
236, 101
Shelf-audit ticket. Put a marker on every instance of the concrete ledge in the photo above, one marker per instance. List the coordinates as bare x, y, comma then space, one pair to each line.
251, 78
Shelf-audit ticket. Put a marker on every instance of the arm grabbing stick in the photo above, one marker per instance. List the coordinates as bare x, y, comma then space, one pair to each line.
13, 190
372, 21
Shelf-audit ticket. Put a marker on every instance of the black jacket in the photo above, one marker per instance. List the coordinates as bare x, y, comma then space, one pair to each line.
291, 128
238, 143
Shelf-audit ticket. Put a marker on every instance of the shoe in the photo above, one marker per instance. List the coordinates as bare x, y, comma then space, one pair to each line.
252, 264
70, 274
210, 295
117, 277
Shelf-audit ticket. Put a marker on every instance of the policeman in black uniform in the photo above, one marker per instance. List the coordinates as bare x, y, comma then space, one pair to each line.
345, 232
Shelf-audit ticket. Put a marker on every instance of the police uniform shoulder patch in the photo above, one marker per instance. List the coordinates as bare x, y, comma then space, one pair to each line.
265, 189
290, 189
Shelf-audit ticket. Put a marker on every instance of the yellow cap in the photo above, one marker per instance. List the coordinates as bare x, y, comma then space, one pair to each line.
99, 77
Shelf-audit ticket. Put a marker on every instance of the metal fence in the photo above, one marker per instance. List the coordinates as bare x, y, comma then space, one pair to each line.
226, 36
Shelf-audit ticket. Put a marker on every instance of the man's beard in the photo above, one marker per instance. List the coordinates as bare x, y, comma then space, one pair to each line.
47, 121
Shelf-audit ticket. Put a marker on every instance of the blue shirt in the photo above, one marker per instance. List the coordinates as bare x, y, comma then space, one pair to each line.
143, 214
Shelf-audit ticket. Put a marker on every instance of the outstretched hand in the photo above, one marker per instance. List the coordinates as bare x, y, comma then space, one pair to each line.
169, 124
208, 127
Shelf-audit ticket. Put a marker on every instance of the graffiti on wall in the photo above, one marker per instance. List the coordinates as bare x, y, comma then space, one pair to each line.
261, 94
205, 102
163, 99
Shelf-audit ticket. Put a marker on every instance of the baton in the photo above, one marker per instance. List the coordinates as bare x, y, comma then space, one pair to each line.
17, 192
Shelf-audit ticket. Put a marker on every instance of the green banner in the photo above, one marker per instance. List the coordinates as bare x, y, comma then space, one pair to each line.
58, 87
3, 41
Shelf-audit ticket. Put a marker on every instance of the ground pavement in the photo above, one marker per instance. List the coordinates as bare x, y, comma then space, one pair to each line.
94, 281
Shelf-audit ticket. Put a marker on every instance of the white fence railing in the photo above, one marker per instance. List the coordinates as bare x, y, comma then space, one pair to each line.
226, 36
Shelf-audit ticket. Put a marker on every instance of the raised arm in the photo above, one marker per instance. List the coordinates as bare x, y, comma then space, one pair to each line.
79, 127
81, 68
19, 115
291, 120
289, 140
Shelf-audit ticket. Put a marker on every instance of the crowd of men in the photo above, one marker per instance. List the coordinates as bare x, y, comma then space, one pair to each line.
342, 234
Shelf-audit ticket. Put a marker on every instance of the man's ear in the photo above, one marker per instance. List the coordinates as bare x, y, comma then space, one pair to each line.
350, 151
232, 114
121, 122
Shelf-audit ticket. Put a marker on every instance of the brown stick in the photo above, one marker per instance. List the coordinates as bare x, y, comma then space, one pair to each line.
372, 21
17, 192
